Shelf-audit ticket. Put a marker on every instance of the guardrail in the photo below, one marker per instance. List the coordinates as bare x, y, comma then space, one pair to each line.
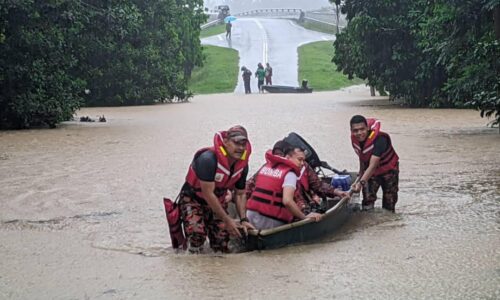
276, 12
210, 24
322, 22
270, 12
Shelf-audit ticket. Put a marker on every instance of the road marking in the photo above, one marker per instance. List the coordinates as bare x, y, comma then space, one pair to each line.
265, 47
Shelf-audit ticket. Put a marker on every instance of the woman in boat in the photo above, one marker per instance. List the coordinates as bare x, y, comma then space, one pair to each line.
272, 202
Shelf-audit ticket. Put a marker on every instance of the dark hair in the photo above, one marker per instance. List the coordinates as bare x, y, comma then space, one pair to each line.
358, 119
291, 149
280, 146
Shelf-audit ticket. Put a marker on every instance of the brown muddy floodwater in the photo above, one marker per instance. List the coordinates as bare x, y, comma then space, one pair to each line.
81, 213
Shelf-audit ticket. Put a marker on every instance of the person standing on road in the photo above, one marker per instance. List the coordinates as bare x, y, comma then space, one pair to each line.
229, 27
269, 74
260, 74
246, 75
213, 171
378, 163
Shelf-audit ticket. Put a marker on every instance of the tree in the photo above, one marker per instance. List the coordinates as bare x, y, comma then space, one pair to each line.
140, 52
125, 52
37, 62
427, 53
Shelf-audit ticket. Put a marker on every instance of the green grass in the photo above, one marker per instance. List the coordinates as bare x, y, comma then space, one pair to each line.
318, 27
214, 30
315, 65
219, 73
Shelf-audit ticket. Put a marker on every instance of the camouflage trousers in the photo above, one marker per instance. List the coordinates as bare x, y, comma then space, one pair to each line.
199, 222
390, 187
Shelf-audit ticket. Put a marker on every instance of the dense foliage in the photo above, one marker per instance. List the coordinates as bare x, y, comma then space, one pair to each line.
427, 53
56, 55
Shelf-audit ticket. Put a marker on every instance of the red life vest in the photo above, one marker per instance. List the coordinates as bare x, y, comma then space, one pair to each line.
388, 160
224, 178
267, 197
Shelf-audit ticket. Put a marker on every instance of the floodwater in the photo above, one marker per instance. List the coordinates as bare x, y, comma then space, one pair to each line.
81, 213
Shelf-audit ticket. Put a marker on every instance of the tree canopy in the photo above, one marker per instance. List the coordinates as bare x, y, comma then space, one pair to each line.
426, 53
56, 55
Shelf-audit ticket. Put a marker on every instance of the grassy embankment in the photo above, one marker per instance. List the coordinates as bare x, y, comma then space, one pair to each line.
315, 65
317, 27
214, 30
219, 73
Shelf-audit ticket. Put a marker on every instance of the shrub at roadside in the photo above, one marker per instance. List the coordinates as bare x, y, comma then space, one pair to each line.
58, 55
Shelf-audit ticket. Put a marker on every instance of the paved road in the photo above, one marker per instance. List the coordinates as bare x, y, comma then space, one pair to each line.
268, 40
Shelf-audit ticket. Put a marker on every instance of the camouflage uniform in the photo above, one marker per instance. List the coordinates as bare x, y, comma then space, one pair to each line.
199, 221
389, 183
316, 186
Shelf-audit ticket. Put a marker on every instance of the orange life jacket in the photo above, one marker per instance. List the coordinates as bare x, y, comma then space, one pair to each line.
224, 178
388, 160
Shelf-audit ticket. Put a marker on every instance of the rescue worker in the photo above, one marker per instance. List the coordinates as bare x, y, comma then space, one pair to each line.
212, 172
272, 201
378, 163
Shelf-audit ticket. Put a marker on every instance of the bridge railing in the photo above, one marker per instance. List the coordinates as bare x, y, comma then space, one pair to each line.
272, 12
211, 23
295, 13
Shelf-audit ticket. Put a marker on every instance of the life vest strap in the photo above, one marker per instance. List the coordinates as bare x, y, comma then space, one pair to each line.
269, 192
218, 192
266, 201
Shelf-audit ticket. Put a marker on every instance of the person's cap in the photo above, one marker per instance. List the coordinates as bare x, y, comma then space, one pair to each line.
237, 133
243, 68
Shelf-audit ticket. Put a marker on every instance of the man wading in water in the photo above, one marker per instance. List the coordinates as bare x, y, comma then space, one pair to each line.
213, 171
378, 163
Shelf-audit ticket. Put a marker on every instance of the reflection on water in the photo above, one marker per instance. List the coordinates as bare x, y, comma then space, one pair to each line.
87, 197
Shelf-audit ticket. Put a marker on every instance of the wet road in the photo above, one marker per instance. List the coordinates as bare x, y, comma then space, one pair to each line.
268, 40
81, 215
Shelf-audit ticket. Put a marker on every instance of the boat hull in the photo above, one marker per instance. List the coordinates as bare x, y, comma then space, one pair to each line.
286, 89
302, 231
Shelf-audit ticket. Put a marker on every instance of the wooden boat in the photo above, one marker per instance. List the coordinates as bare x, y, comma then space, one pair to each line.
303, 231
337, 211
